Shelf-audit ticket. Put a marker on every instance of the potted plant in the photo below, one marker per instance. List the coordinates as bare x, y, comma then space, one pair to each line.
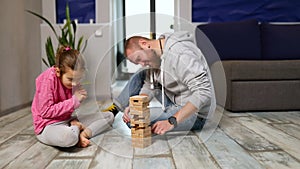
67, 37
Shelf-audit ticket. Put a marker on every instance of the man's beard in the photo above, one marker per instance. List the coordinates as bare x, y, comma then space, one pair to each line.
155, 60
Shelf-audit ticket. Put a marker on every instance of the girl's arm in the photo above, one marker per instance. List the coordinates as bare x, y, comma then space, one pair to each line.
51, 108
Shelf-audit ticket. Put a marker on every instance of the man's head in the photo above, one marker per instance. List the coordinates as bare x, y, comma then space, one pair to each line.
143, 51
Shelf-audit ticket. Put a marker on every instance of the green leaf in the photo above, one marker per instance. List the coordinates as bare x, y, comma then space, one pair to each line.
74, 30
85, 44
74, 26
50, 52
63, 39
63, 42
45, 62
79, 43
65, 26
44, 19
70, 34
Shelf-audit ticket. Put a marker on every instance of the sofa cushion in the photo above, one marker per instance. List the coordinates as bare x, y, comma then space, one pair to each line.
280, 41
264, 95
262, 70
239, 40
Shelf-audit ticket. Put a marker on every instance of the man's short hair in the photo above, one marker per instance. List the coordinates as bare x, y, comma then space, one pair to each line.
133, 43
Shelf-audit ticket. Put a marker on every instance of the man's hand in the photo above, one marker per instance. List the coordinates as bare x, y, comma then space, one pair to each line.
126, 116
161, 127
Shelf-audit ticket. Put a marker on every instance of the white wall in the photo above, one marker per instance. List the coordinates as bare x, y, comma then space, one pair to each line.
183, 10
20, 53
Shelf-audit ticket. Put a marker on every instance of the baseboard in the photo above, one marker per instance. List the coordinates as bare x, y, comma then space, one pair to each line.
13, 109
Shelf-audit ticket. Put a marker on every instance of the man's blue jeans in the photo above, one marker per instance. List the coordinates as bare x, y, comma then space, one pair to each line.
134, 86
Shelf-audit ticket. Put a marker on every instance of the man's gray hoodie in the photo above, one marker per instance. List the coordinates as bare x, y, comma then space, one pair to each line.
186, 76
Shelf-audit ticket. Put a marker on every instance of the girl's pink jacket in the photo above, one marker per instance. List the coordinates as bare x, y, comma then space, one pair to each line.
52, 101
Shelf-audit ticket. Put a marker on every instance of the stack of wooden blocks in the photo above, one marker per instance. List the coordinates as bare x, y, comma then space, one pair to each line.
140, 121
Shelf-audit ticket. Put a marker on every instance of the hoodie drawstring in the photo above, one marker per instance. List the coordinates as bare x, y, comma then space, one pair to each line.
151, 79
162, 84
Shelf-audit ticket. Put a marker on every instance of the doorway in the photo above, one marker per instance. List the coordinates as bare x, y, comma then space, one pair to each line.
141, 17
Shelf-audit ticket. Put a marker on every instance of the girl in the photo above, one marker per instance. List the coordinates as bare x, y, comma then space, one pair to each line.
58, 94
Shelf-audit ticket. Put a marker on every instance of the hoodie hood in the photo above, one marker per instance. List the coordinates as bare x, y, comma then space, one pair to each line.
172, 38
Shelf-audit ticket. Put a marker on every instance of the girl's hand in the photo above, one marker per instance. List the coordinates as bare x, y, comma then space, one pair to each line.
126, 116
80, 94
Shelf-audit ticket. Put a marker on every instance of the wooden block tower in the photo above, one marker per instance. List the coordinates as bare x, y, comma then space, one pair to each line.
140, 121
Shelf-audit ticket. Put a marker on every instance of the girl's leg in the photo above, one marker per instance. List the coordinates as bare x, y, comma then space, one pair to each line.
84, 133
59, 134
84, 137
96, 123
132, 88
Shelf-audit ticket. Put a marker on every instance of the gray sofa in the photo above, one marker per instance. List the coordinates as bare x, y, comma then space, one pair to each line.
261, 63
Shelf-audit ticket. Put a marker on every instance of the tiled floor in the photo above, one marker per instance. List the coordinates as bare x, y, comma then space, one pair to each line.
243, 140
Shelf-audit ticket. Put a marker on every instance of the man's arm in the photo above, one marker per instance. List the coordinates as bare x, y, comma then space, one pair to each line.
186, 111
192, 72
161, 127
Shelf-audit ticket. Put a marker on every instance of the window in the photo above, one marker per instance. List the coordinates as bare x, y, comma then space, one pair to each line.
140, 19
81, 10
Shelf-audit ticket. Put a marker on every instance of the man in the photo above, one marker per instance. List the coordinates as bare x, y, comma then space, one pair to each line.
183, 74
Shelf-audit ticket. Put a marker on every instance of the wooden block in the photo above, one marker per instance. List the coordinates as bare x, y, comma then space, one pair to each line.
144, 124
137, 135
137, 124
141, 123
144, 104
138, 100
146, 140
139, 108
141, 135
141, 142
138, 128
141, 118
133, 125
134, 128
141, 132
141, 113
145, 121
